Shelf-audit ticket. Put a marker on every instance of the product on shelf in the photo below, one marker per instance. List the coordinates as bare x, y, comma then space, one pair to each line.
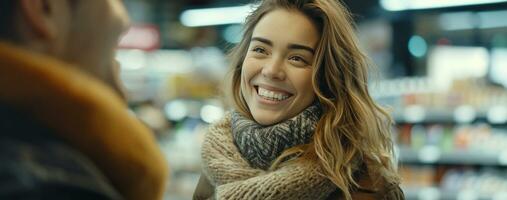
478, 138
454, 183
416, 100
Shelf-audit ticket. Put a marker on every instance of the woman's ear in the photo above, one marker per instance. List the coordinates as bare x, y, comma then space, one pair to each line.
37, 15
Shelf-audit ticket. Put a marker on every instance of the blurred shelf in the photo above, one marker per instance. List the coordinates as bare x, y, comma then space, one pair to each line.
433, 155
427, 193
438, 117
432, 117
496, 115
435, 193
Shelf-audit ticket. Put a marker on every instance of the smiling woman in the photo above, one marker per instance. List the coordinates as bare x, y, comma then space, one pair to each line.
304, 125
276, 74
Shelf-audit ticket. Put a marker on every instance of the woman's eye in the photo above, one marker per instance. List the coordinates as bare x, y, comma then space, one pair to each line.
298, 59
259, 50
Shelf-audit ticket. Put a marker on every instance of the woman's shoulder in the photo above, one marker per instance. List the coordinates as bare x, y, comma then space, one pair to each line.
219, 134
374, 186
393, 191
388, 192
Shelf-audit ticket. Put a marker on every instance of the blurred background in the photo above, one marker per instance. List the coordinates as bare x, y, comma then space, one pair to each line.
441, 69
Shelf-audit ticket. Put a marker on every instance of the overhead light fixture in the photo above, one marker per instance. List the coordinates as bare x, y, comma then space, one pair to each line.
399, 5
216, 16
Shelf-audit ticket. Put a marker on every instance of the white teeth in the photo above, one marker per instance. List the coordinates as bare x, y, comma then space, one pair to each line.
271, 95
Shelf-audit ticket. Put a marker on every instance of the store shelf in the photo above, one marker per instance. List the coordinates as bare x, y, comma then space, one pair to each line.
496, 115
435, 193
432, 155
427, 193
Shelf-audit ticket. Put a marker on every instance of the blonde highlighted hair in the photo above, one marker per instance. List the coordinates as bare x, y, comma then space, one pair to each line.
353, 131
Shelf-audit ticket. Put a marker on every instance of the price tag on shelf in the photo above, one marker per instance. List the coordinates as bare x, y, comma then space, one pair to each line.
497, 114
464, 114
429, 154
414, 114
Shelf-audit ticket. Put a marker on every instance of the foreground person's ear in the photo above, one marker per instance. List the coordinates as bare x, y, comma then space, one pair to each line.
37, 14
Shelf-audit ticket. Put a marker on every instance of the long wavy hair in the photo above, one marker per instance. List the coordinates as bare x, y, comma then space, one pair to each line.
353, 132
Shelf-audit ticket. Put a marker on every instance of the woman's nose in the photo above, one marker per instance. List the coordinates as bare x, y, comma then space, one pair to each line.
274, 69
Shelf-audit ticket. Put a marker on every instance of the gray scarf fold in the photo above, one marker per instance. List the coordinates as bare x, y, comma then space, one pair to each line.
261, 145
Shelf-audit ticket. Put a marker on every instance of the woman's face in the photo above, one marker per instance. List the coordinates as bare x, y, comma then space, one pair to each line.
277, 70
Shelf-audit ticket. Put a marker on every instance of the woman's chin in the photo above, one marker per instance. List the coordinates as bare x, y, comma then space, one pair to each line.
267, 120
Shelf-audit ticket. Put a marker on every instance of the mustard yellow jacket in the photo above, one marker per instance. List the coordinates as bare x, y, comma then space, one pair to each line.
88, 115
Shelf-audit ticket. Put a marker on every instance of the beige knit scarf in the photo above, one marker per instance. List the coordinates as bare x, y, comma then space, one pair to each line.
233, 177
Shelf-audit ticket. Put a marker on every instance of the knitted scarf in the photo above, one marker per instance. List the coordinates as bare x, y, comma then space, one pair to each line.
234, 178
261, 145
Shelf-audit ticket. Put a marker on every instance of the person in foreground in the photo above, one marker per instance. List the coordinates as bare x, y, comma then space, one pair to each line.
304, 125
65, 130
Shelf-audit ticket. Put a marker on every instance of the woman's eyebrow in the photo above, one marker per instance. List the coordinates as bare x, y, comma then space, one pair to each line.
290, 46
303, 47
263, 40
